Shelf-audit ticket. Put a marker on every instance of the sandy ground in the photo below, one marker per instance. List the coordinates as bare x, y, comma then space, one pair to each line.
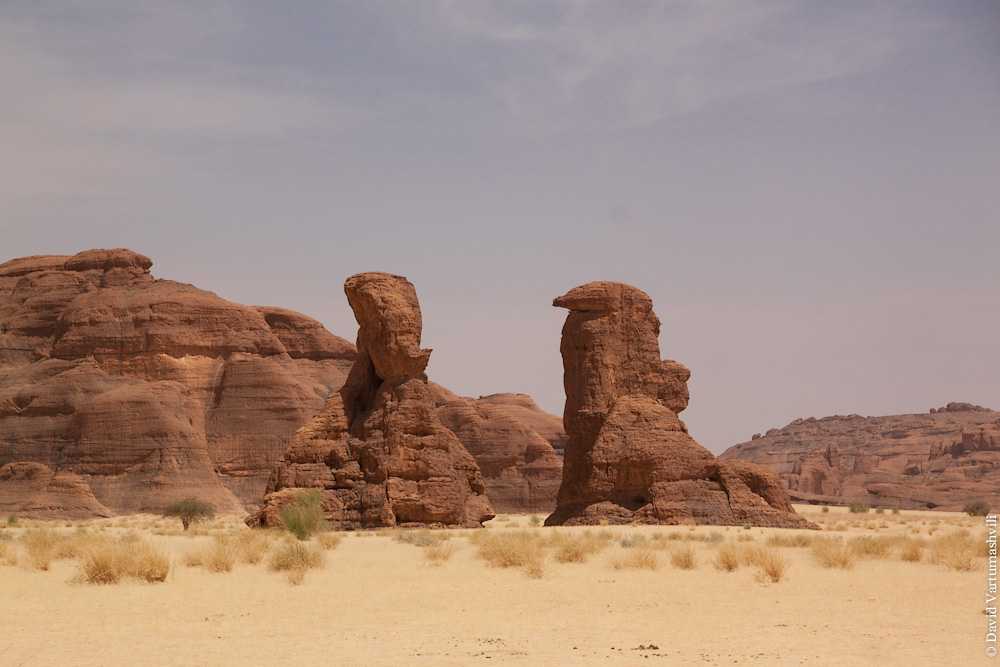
378, 602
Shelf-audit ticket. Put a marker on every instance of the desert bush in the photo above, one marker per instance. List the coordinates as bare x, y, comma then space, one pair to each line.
871, 547
513, 549
745, 538
977, 508
895, 510
880, 510
858, 508
295, 559
304, 515
683, 557
825, 509
641, 558
12, 521
727, 558
111, 561
535, 520
833, 553
189, 511
328, 541
956, 551
798, 540
440, 553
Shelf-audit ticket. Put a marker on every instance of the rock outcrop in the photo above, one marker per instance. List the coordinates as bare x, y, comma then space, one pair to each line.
942, 459
122, 393
378, 450
629, 457
511, 439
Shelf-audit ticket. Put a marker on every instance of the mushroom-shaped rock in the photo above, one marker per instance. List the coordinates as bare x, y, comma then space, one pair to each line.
378, 451
629, 457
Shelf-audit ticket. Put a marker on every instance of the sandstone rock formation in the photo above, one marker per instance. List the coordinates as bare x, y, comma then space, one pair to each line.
629, 457
121, 393
941, 459
378, 450
506, 434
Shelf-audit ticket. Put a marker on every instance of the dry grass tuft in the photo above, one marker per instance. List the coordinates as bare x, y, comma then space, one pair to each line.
219, 556
109, 562
797, 540
439, 554
956, 551
642, 558
328, 541
683, 557
577, 548
771, 565
295, 559
871, 547
421, 537
833, 553
912, 550
513, 549
727, 558
40, 546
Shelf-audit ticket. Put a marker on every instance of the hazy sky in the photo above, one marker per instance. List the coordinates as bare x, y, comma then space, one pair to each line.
810, 191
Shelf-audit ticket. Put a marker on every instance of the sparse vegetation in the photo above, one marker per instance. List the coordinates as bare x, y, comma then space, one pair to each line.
577, 548
534, 520
304, 515
977, 508
825, 509
12, 521
912, 550
189, 511
858, 508
771, 565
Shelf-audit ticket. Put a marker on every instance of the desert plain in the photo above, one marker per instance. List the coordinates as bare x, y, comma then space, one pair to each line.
869, 588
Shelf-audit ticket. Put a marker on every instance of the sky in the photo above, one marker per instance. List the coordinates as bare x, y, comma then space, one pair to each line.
809, 191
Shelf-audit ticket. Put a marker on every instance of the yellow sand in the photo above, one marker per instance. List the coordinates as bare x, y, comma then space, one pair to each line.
378, 602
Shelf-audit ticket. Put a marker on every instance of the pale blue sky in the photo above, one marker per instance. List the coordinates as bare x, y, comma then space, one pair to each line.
808, 190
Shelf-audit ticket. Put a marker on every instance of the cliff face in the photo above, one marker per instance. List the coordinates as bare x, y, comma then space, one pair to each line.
120, 392
941, 459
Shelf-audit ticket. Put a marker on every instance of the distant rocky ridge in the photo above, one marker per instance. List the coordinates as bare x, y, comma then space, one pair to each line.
120, 393
943, 459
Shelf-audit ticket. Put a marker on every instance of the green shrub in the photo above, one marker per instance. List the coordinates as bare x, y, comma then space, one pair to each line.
12, 520
858, 508
304, 515
190, 510
977, 508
